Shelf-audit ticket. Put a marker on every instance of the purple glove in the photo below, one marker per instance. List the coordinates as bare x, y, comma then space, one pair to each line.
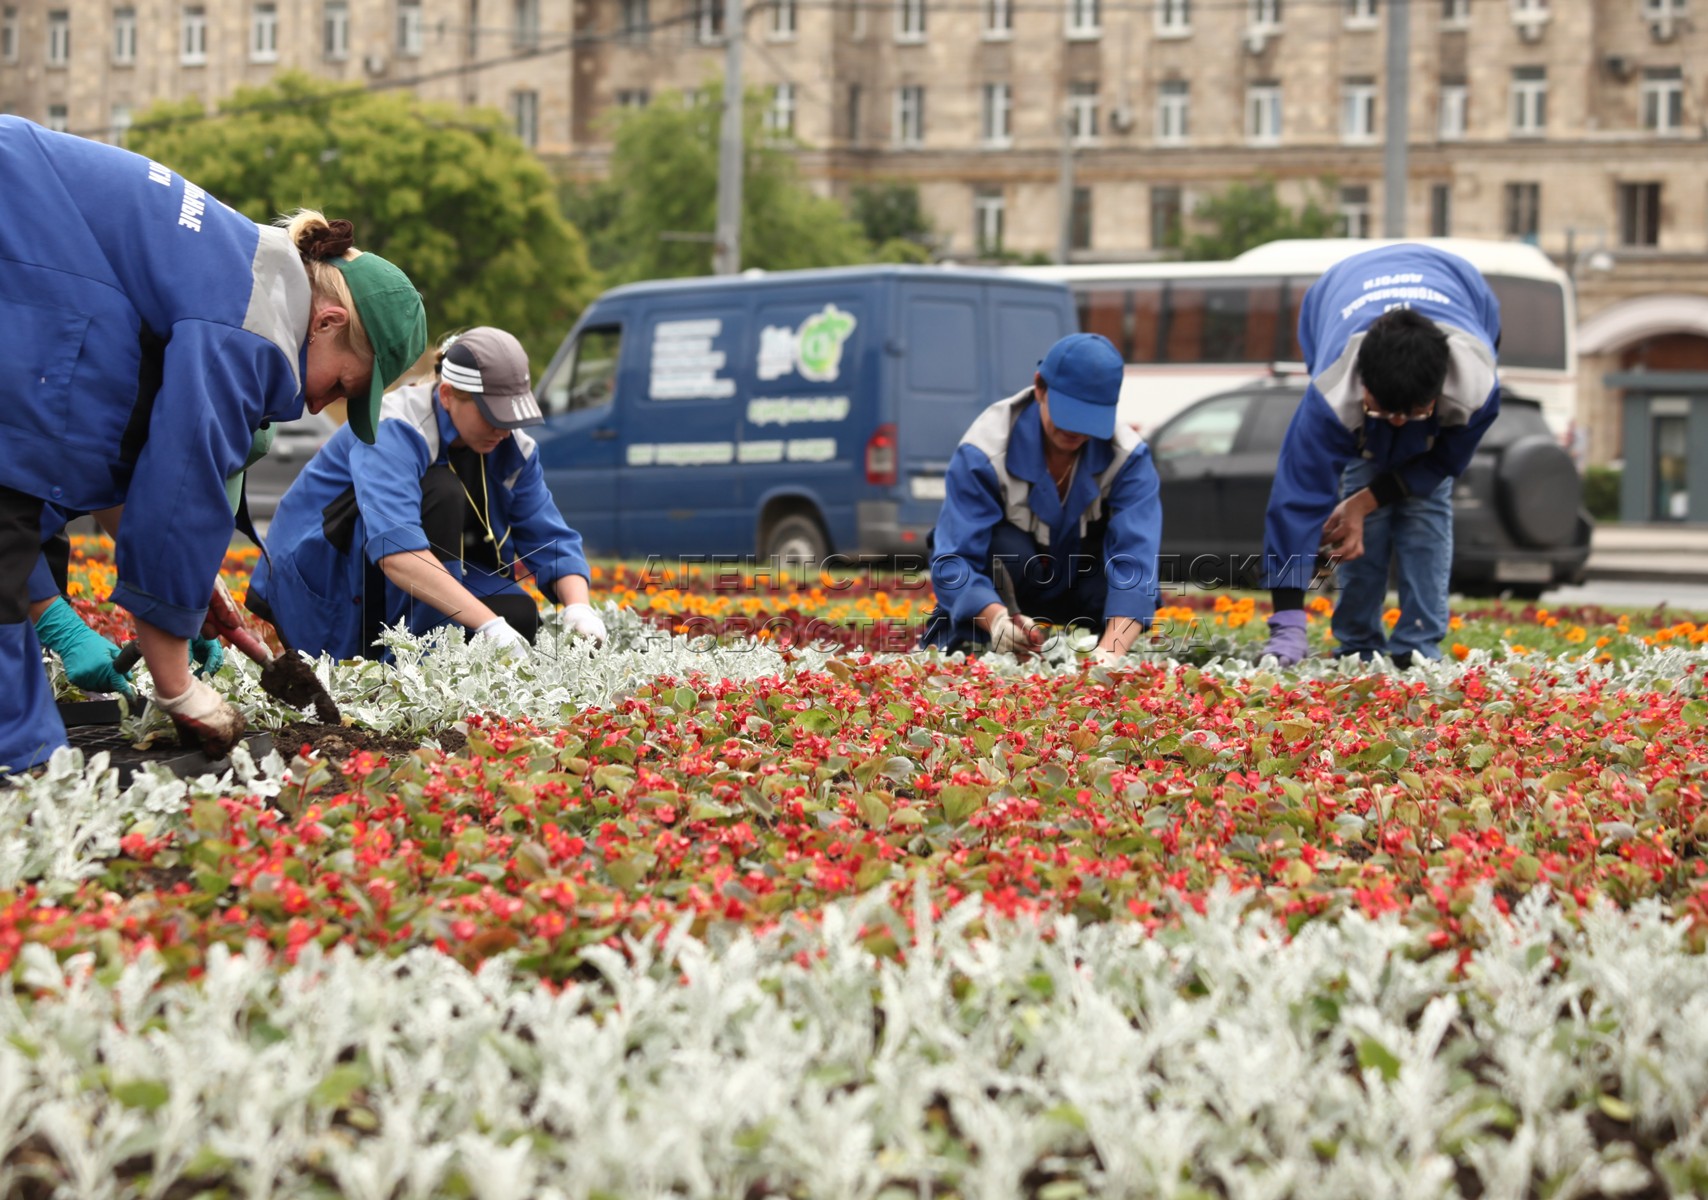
1286, 637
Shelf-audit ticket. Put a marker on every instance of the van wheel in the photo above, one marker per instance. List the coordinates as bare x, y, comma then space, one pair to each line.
795, 539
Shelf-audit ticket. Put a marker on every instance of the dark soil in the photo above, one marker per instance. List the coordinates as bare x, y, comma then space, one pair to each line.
331, 743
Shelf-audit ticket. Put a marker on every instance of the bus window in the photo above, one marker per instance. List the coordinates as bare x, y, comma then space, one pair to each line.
1104, 310
1532, 322
1232, 322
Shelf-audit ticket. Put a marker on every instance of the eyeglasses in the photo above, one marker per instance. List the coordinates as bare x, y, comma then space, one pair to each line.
1393, 418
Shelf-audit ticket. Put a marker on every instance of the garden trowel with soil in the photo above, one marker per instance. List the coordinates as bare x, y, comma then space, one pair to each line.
287, 677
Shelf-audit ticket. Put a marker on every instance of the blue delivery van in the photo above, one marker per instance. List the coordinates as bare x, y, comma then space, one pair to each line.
796, 414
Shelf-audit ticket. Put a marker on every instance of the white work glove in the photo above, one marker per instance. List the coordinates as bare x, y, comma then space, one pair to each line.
203, 715
1016, 634
584, 622
1108, 659
502, 635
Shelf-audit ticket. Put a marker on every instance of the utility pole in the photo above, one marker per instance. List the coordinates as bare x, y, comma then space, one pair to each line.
1064, 228
726, 246
1395, 147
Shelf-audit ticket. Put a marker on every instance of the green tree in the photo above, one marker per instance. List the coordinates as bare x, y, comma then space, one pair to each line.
1250, 214
890, 212
448, 194
663, 184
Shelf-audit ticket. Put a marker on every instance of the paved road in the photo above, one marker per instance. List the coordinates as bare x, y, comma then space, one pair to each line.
1692, 597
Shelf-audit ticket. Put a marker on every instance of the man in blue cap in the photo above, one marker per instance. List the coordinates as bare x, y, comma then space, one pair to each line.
1050, 515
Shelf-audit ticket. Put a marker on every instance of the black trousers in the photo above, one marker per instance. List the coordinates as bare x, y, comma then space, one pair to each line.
20, 544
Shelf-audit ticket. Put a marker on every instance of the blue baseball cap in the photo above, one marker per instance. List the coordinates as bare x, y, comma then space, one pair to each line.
1083, 374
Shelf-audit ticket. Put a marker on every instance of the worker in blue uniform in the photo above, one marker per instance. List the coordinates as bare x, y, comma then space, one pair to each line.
430, 525
1400, 342
152, 330
1051, 515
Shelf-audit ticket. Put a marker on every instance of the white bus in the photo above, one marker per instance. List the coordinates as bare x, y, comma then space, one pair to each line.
1190, 329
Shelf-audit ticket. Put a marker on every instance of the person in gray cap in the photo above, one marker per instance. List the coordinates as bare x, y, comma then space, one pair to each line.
433, 523
1050, 516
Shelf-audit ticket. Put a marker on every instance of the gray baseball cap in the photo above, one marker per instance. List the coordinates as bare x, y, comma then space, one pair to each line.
491, 366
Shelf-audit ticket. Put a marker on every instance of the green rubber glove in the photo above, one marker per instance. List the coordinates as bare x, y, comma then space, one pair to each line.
206, 654
88, 657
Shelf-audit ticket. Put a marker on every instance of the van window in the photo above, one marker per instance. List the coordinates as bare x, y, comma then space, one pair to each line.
1537, 338
587, 378
1024, 334
937, 332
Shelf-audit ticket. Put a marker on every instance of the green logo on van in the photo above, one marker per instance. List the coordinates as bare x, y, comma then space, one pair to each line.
819, 347
815, 349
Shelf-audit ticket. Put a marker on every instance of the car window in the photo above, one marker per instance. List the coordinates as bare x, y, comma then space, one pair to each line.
1209, 429
1273, 413
588, 377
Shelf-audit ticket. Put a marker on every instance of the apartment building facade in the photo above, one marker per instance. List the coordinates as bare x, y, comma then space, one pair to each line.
1577, 124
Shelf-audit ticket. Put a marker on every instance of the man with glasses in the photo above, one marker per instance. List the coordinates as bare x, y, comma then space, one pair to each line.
1400, 342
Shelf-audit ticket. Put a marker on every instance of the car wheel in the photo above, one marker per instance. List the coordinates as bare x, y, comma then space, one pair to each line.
1539, 492
795, 539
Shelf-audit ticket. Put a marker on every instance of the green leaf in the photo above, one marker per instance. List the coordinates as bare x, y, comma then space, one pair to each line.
1480, 756
686, 699
819, 720
961, 801
900, 769
146, 1094
614, 778
873, 810
1372, 1054
1616, 1108
340, 1084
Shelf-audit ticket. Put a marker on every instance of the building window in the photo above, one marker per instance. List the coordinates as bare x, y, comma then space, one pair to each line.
1639, 214
988, 210
193, 44
1455, 14
8, 34
1167, 209
58, 119
1360, 14
635, 22
1264, 14
409, 29
118, 126
264, 33
1079, 220
780, 114
1263, 113
998, 105
1355, 211
58, 38
854, 98
910, 20
910, 115
1173, 108
857, 20
708, 21
1663, 100
525, 25
1358, 110
1529, 101
1455, 97
1441, 210
628, 98
1529, 7
124, 36
1523, 210
784, 19
1084, 19
1082, 112
335, 29
525, 108
998, 20
1173, 17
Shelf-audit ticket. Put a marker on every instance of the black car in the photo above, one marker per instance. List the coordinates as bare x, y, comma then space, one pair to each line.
1518, 518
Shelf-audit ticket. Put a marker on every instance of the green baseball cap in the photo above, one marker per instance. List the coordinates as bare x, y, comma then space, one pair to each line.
396, 321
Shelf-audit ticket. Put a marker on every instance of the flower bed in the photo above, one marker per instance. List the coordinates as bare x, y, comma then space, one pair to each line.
715, 916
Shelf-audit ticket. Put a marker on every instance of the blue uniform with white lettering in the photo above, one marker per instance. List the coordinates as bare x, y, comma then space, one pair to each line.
1331, 429
1086, 558
354, 502
150, 332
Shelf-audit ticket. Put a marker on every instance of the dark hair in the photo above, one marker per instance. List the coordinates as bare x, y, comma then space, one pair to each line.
1403, 360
